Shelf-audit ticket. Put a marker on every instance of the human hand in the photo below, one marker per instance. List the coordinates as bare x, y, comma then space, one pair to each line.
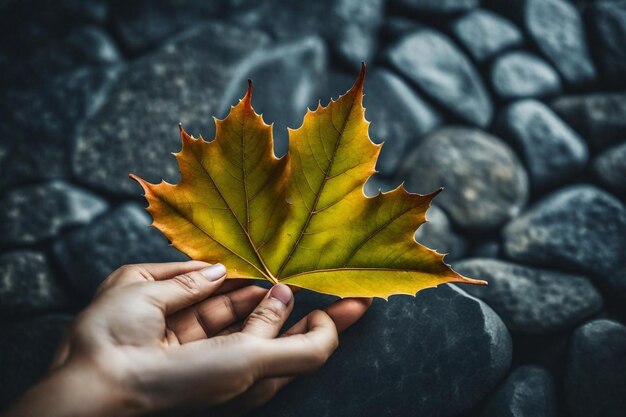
160, 337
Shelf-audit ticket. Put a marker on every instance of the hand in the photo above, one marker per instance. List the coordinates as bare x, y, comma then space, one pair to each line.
170, 336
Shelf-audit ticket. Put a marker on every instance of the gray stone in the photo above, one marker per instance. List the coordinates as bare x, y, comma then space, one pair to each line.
37, 212
485, 34
608, 22
430, 60
599, 117
28, 285
616, 283
437, 234
557, 28
399, 118
26, 350
594, 380
580, 228
552, 151
437, 6
437, 354
521, 74
41, 123
485, 184
121, 237
610, 167
531, 300
527, 392
286, 79
141, 24
184, 82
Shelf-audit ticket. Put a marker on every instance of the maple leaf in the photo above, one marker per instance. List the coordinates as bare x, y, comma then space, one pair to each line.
303, 219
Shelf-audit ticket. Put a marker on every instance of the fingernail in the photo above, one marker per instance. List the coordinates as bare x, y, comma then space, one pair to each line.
282, 293
214, 272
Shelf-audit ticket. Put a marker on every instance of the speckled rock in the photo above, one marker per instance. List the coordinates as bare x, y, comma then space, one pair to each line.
580, 228
184, 82
485, 184
552, 151
432, 61
530, 300
527, 392
28, 285
120, 237
485, 34
594, 381
521, 74
599, 117
557, 28
437, 6
445, 345
437, 234
608, 22
38, 212
610, 167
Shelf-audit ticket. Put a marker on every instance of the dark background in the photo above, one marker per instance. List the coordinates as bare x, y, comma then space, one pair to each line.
517, 108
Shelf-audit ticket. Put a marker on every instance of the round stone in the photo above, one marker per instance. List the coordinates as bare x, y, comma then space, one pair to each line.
521, 74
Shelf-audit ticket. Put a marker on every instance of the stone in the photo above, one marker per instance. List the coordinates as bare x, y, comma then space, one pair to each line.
437, 354
557, 28
28, 284
397, 26
431, 61
485, 34
551, 150
183, 82
580, 228
286, 79
438, 234
610, 168
531, 300
485, 184
608, 23
37, 212
349, 27
521, 74
89, 254
437, 6
594, 377
26, 351
141, 24
399, 116
47, 120
527, 392
616, 283
599, 117
486, 248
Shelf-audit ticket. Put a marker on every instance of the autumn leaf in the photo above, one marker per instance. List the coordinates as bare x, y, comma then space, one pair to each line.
303, 219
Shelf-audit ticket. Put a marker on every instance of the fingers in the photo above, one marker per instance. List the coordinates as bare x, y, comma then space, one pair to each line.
183, 290
211, 316
267, 319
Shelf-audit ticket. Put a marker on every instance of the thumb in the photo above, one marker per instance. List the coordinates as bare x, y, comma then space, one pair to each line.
185, 289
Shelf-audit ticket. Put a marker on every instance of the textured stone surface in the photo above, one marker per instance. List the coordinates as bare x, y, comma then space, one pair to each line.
437, 6
557, 28
437, 234
484, 33
120, 237
184, 82
581, 228
521, 74
485, 184
608, 21
46, 120
286, 79
42, 211
552, 151
610, 167
445, 345
599, 117
26, 350
527, 392
28, 285
431, 61
531, 300
594, 381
